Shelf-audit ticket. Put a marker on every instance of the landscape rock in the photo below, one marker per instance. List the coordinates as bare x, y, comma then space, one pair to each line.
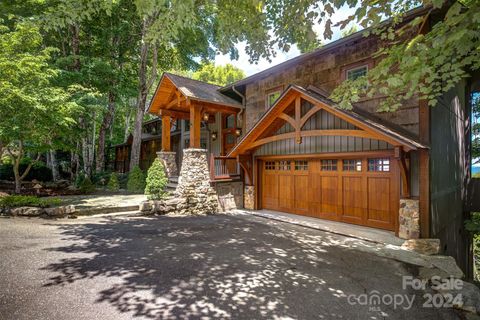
448, 265
26, 211
59, 212
423, 246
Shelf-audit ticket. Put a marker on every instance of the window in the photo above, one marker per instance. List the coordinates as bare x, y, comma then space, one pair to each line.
301, 165
229, 122
284, 165
329, 165
352, 165
355, 73
272, 95
269, 165
379, 165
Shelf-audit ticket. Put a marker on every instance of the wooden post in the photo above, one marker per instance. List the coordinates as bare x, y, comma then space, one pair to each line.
195, 118
166, 127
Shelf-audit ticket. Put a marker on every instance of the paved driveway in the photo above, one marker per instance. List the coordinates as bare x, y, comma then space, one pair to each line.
240, 267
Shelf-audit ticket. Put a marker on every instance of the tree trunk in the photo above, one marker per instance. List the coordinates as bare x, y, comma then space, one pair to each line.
143, 87
54, 165
106, 124
127, 125
16, 158
142, 98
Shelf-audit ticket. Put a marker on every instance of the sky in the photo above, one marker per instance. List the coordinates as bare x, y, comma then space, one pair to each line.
281, 56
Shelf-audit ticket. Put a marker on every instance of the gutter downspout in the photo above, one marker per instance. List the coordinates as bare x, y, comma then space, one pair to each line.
240, 114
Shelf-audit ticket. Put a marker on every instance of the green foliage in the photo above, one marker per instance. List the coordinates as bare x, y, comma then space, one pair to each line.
136, 181
14, 201
414, 63
38, 172
113, 183
473, 226
85, 185
156, 180
219, 75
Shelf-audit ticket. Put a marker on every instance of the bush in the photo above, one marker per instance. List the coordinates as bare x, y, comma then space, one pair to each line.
156, 181
86, 185
101, 178
28, 201
136, 181
113, 184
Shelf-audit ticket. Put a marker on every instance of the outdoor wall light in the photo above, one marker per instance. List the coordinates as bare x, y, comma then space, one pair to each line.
238, 132
214, 135
206, 116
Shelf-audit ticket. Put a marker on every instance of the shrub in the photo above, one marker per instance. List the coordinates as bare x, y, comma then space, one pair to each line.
136, 181
86, 185
101, 178
14, 201
156, 181
113, 184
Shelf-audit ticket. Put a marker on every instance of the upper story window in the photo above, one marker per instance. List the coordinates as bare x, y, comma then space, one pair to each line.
272, 95
357, 72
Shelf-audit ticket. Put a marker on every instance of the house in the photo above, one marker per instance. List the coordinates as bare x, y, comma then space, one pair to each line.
274, 140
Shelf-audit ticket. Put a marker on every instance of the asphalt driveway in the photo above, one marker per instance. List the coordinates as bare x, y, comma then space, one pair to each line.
240, 267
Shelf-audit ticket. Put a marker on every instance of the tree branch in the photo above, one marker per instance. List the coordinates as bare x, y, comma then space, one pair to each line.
154, 67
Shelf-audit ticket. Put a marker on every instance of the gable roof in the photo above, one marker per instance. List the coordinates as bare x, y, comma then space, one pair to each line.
193, 89
390, 132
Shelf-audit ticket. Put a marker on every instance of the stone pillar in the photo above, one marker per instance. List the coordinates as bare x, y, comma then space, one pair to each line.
168, 159
409, 215
194, 192
249, 198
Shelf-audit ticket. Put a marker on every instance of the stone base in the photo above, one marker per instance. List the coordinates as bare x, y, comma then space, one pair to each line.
194, 192
169, 163
409, 216
249, 197
230, 195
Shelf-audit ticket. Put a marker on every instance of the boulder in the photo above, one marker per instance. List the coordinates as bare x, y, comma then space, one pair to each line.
59, 212
448, 265
470, 297
423, 246
27, 211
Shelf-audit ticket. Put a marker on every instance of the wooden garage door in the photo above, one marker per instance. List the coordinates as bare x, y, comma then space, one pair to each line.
358, 190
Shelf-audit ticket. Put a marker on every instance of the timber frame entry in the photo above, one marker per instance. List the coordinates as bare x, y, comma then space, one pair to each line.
287, 110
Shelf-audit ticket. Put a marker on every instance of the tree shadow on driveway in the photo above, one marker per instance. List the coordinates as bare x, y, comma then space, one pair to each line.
228, 267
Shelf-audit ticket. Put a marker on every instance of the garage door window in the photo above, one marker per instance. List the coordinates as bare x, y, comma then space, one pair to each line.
329, 165
284, 165
270, 165
379, 165
301, 165
352, 165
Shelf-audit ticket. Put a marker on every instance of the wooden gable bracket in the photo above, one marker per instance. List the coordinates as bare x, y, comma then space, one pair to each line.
404, 165
246, 163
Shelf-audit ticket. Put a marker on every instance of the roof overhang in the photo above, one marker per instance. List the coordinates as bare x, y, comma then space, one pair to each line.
370, 126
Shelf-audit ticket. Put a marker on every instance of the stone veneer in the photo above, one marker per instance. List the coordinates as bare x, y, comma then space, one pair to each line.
409, 216
194, 193
169, 162
249, 198
230, 195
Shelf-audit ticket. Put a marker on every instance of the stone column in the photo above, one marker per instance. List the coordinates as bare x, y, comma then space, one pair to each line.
409, 224
168, 159
195, 195
249, 198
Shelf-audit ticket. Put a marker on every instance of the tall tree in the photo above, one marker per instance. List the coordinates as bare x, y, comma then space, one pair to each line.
220, 75
29, 102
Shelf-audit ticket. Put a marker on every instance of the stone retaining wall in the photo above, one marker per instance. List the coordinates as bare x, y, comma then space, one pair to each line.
249, 198
230, 195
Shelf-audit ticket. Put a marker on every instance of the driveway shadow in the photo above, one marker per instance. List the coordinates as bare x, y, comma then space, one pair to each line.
223, 266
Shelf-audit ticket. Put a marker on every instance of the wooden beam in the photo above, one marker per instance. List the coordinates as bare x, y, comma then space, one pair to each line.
288, 119
195, 121
166, 127
309, 114
298, 114
404, 172
174, 114
175, 102
246, 163
313, 133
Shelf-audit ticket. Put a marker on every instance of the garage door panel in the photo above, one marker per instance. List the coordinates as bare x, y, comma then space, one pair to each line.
270, 191
329, 199
379, 199
301, 194
354, 198
286, 193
